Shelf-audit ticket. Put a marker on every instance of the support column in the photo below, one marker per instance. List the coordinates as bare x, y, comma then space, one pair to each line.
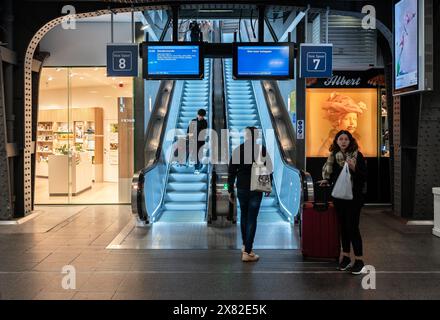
261, 14
139, 108
175, 10
300, 101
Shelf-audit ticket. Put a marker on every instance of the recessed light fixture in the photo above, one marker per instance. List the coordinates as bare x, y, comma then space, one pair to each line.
50, 79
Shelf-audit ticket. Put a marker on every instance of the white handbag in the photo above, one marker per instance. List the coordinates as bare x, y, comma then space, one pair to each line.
343, 187
260, 178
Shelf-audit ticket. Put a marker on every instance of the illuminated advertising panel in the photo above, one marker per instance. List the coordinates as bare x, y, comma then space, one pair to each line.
329, 110
406, 45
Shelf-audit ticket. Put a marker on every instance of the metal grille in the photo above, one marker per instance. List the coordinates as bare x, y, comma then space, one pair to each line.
428, 153
354, 48
316, 30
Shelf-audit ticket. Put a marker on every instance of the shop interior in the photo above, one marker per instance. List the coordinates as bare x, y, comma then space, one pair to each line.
83, 118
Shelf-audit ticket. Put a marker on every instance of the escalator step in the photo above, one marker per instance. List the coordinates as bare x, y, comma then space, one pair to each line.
184, 206
183, 216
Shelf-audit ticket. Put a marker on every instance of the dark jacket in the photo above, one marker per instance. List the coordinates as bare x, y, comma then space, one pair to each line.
241, 170
359, 177
195, 127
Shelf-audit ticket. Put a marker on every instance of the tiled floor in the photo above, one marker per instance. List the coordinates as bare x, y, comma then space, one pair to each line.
32, 255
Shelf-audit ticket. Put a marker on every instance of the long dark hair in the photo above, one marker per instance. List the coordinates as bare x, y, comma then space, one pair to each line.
352, 147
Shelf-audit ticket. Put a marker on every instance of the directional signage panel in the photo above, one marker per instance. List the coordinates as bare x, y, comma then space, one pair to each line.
122, 60
316, 60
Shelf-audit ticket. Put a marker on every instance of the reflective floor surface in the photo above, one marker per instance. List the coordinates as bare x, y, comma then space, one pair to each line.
220, 235
33, 254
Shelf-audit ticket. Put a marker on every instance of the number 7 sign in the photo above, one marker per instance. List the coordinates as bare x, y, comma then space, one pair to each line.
316, 60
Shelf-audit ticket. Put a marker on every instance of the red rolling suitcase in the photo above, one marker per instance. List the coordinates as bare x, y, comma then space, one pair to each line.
320, 227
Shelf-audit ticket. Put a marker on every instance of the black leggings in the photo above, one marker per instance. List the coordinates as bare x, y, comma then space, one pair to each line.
349, 212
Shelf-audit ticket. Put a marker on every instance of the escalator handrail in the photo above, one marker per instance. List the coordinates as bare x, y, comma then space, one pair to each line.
210, 121
306, 178
168, 161
225, 76
137, 190
287, 159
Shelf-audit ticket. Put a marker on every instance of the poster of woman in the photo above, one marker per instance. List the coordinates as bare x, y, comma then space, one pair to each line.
331, 110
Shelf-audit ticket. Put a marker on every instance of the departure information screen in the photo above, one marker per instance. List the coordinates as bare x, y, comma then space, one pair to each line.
173, 61
263, 61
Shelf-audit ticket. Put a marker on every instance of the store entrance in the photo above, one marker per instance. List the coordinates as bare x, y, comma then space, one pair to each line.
85, 131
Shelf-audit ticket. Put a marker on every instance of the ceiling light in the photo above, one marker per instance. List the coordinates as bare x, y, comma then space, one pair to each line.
93, 92
145, 26
96, 69
81, 78
50, 79
58, 69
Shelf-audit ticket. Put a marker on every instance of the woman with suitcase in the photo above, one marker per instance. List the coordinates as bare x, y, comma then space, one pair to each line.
344, 149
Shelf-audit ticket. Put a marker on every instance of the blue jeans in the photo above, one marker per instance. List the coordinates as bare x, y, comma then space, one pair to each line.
250, 202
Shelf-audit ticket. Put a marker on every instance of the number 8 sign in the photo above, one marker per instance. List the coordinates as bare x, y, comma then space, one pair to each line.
122, 60
316, 60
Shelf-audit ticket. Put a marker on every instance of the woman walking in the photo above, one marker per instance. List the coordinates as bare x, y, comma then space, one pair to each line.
344, 149
240, 168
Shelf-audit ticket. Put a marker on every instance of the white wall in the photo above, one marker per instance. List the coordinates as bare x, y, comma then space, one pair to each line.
83, 46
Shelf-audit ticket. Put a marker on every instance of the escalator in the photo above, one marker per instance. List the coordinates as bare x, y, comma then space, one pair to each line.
165, 191
186, 192
243, 112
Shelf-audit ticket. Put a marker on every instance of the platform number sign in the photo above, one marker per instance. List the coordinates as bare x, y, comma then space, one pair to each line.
316, 60
300, 129
122, 60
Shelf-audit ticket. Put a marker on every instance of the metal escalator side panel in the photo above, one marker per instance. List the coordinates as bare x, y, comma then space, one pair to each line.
153, 148
280, 119
287, 178
154, 199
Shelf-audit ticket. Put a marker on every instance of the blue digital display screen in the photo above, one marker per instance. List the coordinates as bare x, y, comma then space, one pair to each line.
173, 60
263, 61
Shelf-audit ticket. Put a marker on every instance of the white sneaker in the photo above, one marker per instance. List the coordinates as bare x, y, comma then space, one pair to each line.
249, 257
